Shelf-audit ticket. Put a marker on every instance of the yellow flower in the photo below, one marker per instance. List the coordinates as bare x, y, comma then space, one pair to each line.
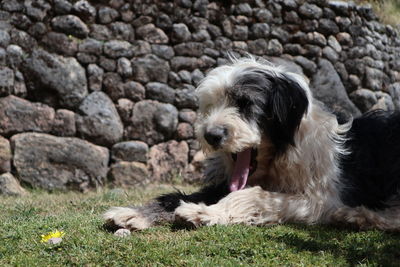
56, 233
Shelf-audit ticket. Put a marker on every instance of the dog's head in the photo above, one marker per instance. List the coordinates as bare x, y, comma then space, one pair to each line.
247, 102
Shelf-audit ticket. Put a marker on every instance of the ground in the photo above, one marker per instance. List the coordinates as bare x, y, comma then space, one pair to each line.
24, 220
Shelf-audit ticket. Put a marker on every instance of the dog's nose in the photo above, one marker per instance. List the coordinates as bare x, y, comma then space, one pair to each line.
216, 136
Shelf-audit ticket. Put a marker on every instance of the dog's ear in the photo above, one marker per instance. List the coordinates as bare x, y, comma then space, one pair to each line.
286, 105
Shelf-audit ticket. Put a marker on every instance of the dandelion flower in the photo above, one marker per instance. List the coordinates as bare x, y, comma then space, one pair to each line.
55, 234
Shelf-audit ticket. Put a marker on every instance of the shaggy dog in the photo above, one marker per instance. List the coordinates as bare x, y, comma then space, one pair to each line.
275, 155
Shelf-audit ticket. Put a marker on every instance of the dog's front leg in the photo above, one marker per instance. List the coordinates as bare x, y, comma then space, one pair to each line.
161, 210
252, 206
137, 218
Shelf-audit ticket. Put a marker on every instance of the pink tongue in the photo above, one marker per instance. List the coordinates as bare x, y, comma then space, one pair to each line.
241, 171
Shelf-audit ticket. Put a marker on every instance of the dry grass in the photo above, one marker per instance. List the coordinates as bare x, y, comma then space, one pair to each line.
387, 10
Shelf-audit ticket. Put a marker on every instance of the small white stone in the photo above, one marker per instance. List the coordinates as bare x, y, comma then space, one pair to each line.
54, 240
122, 232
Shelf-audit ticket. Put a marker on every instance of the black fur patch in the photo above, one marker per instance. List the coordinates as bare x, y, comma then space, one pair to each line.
371, 173
285, 108
208, 195
276, 103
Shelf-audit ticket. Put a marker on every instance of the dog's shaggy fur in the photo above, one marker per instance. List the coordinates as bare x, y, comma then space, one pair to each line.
276, 155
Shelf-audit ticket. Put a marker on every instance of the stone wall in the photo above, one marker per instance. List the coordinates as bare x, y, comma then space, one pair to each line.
92, 91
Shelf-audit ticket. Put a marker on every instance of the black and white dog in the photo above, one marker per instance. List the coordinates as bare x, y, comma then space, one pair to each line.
276, 155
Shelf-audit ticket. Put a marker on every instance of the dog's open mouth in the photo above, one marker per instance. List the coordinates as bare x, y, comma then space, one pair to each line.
245, 165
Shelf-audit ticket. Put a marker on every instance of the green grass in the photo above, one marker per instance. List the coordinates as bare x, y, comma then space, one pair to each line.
23, 220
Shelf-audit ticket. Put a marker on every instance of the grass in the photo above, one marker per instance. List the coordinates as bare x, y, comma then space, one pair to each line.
388, 11
23, 220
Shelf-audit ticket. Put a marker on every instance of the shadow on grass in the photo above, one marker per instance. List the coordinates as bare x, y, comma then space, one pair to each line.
176, 226
377, 248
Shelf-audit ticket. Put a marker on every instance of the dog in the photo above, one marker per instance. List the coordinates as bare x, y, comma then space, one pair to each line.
275, 155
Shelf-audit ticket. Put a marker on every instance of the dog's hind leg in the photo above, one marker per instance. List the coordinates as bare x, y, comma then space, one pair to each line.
363, 218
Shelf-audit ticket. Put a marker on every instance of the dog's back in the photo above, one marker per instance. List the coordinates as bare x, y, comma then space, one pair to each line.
371, 172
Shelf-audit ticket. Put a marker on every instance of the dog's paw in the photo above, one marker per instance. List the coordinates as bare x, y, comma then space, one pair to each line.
189, 214
197, 215
122, 232
128, 218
